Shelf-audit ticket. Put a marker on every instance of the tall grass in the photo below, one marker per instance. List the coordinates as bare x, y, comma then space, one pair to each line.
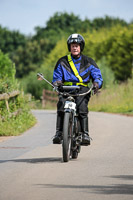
17, 125
117, 99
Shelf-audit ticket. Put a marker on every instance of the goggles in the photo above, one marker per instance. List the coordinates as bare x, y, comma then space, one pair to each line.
74, 40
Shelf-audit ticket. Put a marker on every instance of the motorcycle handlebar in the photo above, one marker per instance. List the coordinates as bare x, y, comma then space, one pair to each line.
65, 88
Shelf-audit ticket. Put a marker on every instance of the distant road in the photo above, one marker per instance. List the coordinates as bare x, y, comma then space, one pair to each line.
31, 167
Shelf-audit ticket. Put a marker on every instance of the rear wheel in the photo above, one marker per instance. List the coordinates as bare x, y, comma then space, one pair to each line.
74, 154
67, 135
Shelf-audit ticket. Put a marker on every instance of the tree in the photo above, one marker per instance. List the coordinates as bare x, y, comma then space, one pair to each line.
29, 53
116, 46
29, 58
120, 56
11, 40
7, 73
107, 22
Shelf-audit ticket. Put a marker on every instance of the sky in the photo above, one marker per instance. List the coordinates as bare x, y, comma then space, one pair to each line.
25, 15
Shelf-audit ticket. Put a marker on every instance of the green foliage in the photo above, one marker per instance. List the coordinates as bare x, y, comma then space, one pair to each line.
107, 22
116, 46
57, 26
28, 53
35, 87
11, 40
7, 68
31, 85
15, 126
11, 124
117, 99
107, 73
61, 24
120, 56
104, 47
7, 74
109, 41
29, 59
57, 52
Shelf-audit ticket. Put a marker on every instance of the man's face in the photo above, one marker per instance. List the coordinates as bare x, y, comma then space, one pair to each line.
75, 49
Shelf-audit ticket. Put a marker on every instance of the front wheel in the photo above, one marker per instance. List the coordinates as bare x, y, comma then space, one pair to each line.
77, 146
67, 135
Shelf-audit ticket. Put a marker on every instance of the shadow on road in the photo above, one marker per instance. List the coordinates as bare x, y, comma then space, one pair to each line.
124, 189
124, 177
34, 160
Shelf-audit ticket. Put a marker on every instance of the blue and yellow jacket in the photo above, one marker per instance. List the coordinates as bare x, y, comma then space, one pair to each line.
86, 67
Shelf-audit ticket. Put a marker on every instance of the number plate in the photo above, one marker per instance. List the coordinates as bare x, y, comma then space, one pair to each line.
70, 105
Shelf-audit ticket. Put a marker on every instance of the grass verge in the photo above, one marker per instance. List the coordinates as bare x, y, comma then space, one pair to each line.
17, 125
117, 99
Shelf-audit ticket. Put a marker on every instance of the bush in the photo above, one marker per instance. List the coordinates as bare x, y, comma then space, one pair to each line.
7, 74
16, 125
107, 73
11, 124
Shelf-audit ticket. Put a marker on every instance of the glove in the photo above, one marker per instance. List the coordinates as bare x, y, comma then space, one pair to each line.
95, 87
60, 88
58, 85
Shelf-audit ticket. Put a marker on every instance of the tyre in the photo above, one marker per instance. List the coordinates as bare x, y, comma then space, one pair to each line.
67, 132
74, 154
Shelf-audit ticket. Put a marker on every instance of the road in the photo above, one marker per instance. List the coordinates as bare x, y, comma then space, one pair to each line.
31, 167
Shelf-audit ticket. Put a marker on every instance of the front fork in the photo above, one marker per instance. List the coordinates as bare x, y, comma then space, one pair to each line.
70, 107
73, 135
73, 114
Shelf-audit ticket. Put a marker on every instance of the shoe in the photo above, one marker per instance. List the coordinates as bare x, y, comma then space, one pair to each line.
57, 139
85, 140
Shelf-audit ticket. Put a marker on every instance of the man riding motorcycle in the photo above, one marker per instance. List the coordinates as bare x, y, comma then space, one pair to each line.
76, 69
